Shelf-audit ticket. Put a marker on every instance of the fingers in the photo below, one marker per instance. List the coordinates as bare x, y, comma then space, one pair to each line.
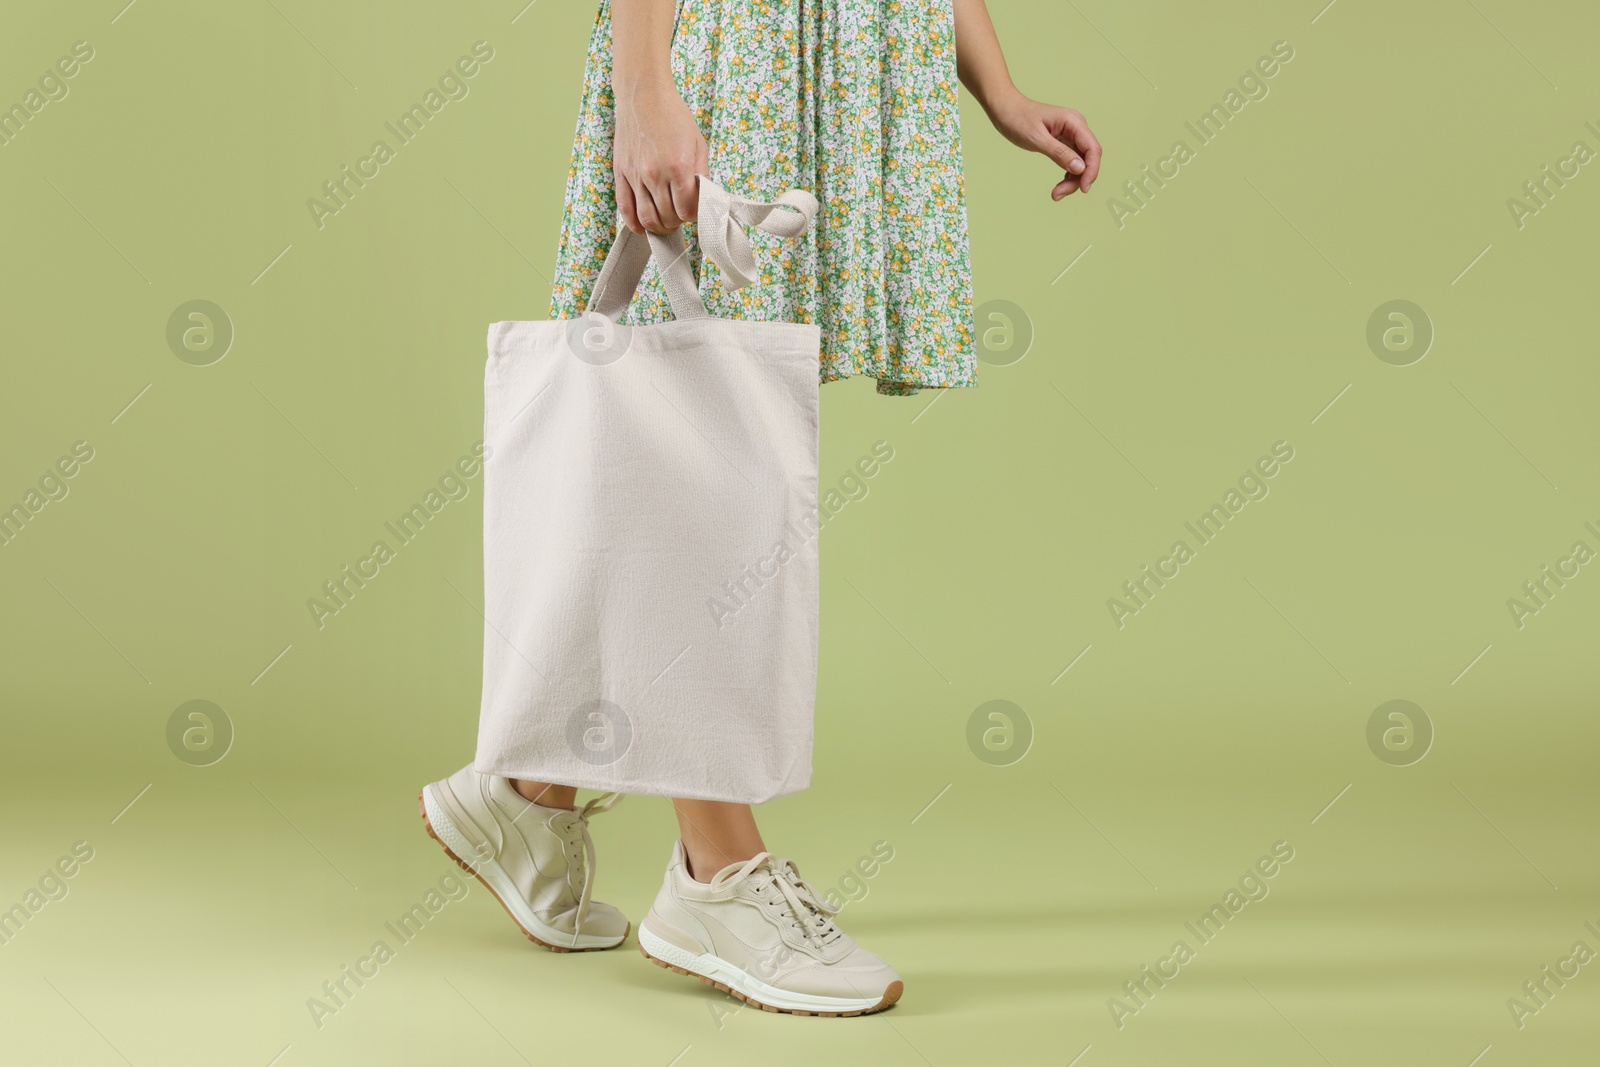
1088, 146
664, 202
655, 208
1061, 153
1069, 161
626, 210
685, 195
1070, 127
1066, 187
658, 205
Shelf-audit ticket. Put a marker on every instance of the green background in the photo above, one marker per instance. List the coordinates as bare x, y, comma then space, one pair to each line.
1228, 314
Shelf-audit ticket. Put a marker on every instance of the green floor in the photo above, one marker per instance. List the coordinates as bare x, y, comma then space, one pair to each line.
213, 911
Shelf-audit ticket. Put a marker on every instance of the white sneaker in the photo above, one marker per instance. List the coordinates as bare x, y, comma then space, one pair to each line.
538, 861
760, 933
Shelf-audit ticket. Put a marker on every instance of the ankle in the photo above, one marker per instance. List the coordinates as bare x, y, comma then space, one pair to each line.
702, 861
693, 871
546, 795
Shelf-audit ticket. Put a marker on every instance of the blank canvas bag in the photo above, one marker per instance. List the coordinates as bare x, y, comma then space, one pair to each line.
650, 508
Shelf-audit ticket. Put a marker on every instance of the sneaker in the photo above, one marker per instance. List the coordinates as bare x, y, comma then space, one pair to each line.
758, 932
537, 861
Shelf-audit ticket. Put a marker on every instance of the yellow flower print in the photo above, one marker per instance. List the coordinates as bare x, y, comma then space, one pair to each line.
853, 100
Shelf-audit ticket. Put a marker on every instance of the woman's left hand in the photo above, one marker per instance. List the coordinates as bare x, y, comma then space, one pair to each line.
1058, 132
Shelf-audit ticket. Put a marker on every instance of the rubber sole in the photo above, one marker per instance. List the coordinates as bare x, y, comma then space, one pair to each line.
890, 995
422, 809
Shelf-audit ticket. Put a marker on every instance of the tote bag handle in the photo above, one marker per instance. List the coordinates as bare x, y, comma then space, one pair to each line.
722, 218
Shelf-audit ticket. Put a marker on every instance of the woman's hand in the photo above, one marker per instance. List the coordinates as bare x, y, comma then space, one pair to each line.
657, 153
657, 149
1058, 132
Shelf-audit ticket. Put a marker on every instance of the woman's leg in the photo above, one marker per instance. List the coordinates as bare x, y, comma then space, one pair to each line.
715, 834
546, 795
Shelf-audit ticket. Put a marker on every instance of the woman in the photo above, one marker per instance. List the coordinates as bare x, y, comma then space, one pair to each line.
855, 101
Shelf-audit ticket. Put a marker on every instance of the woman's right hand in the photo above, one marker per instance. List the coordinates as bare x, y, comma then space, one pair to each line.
655, 156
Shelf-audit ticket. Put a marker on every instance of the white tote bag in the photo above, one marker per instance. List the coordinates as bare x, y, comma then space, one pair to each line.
650, 570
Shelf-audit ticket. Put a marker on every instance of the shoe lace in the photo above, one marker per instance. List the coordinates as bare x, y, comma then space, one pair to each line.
574, 827
810, 913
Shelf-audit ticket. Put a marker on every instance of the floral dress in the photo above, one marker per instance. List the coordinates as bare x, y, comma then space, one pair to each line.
852, 100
